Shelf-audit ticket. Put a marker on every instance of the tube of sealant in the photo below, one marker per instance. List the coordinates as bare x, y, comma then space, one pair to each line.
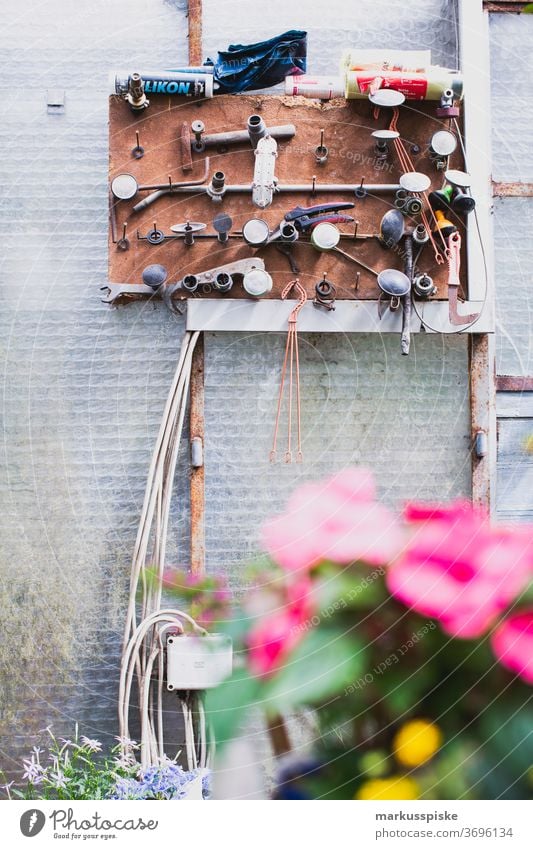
323, 88
356, 59
185, 83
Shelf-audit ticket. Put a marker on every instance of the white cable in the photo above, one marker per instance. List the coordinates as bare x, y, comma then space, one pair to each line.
143, 641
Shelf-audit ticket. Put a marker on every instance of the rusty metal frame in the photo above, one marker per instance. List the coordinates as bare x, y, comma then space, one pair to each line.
475, 66
197, 385
195, 32
504, 6
514, 383
512, 190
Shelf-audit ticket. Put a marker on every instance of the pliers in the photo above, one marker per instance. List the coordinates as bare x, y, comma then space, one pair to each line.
305, 218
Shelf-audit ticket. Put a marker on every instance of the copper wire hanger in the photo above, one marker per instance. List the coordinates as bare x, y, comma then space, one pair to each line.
293, 359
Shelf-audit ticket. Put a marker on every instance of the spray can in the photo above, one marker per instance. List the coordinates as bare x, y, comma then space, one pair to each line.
323, 88
176, 83
428, 85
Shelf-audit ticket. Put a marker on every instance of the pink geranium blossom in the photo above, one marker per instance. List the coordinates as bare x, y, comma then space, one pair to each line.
458, 569
336, 519
512, 643
280, 630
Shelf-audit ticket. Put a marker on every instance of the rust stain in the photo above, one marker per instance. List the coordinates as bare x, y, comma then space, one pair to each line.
197, 484
482, 406
503, 6
509, 383
514, 190
195, 32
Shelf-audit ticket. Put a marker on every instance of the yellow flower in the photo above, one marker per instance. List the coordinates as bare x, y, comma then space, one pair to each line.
394, 788
416, 742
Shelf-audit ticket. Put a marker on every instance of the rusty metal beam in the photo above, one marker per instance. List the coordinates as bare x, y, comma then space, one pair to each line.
504, 6
197, 484
195, 32
509, 383
483, 417
512, 190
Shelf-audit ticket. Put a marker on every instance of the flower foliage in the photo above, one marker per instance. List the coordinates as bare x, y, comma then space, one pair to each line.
75, 769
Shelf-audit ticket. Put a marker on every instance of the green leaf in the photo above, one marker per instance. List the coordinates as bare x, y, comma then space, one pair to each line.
319, 669
228, 704
528, 9
351, 587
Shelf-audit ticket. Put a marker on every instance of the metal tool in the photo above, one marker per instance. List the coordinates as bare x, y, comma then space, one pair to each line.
321, 152
123, 243
446, 108
386, 97
420, 235
135, 95
223, 282
185, 148
188, 226
125, 187
325, 236
138, 151
406, 300
156, 275
423, 286
286, 249
414, 182
255, 130
256, 232
391, 228
454, 267
325, 294
264, 182
303, 218
198, 128
383, 138
360, 190
257, 282
222, 223
395, 285
442, 145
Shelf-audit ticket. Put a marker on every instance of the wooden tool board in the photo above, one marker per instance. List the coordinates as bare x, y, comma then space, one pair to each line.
348, 126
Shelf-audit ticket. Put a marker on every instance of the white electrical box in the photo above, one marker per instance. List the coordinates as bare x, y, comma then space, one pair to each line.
197, 662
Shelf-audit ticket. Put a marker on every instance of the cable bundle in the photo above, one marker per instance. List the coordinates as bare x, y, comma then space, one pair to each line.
143, 650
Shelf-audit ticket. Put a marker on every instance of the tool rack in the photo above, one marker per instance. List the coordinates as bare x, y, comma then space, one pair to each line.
352, 159
347, 126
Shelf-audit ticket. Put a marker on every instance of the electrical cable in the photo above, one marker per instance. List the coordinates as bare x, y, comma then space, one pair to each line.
143, 647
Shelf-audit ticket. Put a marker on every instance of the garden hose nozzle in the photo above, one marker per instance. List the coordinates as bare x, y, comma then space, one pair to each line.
443, 225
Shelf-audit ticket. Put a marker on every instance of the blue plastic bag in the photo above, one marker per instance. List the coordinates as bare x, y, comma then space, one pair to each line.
244, 67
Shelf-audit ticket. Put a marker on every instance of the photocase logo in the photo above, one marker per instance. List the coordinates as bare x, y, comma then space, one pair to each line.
32, 822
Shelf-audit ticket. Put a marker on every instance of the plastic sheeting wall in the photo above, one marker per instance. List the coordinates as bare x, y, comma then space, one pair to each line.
84, 386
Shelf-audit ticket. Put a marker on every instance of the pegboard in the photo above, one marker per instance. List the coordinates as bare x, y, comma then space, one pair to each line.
347, 125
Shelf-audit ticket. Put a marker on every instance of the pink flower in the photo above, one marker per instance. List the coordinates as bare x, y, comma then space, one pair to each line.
512, 643
336, 519
458, 569
279, 632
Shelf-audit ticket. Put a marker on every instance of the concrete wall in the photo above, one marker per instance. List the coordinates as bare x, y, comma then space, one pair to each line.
84, 386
